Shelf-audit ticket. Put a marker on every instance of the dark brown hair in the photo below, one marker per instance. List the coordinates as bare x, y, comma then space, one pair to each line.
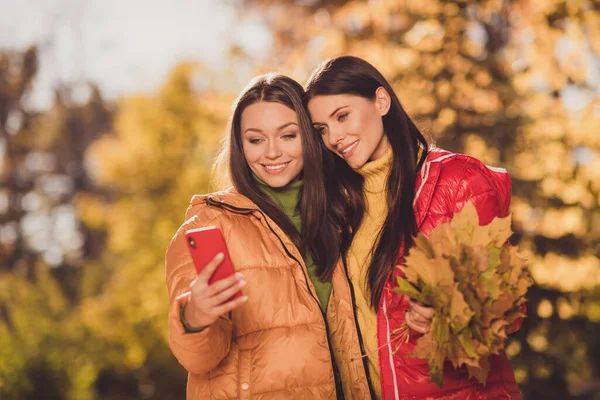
319, 236
355, 76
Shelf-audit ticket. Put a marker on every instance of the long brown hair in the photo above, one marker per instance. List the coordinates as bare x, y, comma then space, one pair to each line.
320, 235
352, 75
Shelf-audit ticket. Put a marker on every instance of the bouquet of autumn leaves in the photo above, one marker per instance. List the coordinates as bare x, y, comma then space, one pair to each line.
475, 283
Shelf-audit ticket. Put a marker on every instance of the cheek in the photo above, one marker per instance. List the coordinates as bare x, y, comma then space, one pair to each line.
251, 153
373, 126
297, 152
293, 150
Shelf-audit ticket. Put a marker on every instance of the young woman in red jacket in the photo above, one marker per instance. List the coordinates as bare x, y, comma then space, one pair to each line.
396, 186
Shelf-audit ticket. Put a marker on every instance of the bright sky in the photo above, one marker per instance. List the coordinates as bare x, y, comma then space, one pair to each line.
123, 45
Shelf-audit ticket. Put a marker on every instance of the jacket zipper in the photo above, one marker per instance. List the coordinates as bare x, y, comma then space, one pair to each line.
360, 340
222, 204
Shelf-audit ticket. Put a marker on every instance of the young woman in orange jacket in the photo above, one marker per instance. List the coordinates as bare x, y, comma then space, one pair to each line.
280, 339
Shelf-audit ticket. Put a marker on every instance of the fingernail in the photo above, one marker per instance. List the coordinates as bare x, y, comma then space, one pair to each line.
238, 276
242, 283
245, 298
220, 256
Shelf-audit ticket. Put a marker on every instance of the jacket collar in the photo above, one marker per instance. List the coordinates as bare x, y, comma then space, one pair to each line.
230, 197
426, 181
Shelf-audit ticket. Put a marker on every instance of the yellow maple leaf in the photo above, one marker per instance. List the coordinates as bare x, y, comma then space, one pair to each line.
465, 222
442, 241
460, 312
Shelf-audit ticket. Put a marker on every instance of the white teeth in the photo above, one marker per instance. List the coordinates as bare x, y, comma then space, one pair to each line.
275, 167
350, 148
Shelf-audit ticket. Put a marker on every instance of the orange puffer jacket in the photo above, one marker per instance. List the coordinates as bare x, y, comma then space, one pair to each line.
276, 345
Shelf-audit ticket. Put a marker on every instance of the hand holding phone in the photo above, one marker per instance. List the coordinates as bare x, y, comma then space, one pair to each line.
217, 288
204, 244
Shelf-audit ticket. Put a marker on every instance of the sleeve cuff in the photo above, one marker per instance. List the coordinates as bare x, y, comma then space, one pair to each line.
186, 327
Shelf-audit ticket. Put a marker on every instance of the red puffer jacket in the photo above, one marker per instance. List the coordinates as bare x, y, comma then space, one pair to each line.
446, 182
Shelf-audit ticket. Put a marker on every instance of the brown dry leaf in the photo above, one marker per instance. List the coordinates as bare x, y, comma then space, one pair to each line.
408, 289
482, 349
481, 371
481, 236
514, 314
504, 303
505, 260
463, 358
525, 281
430, 271
442, 241
465, 222
425, 346
518, 267
443, 272
460, 312
410, 273
436, 367
440, 331
498, 328
424, 244
499, 230
418, 263
491, 282
481, 257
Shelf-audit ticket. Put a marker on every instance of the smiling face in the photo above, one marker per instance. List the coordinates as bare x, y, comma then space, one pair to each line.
351, 126
272, 143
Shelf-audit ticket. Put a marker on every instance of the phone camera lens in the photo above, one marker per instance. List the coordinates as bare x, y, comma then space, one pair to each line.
192, 243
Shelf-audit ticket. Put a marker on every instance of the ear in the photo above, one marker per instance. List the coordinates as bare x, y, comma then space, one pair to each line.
383, 101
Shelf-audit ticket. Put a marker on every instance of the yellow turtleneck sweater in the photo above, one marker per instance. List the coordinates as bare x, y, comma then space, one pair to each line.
359, 256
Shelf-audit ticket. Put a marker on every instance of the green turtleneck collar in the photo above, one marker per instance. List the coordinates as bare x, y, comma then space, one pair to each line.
286, 198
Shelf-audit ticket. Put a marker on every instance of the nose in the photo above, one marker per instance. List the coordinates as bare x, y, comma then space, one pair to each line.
335, 136
273, 150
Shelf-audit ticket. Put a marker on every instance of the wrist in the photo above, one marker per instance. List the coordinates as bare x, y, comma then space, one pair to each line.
188, 321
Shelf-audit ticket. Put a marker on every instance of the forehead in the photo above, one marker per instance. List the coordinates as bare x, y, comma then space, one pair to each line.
265, 115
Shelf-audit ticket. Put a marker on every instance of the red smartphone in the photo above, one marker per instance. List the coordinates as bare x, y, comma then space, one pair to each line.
204, 244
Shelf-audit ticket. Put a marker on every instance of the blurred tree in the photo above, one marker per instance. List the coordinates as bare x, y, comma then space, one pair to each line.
555, 66
516, 84
17, 72
160, 154
41, 238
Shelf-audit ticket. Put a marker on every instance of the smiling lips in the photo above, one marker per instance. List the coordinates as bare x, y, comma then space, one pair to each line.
347, 151
275, 169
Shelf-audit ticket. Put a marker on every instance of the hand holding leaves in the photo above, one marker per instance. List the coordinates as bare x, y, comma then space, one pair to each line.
419, 317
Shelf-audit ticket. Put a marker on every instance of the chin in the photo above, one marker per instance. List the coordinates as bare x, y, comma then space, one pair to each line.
276, 183
357, 162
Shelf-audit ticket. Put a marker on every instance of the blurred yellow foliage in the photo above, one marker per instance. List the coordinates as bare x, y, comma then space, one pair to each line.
566, 274
159, 155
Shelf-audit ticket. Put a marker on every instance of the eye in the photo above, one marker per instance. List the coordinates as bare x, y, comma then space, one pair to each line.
321, 129
289, 136
255, 140
342, 117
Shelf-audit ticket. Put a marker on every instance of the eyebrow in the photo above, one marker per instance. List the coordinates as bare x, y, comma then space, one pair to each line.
330, 115
336, 110
279, 128
315, 124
